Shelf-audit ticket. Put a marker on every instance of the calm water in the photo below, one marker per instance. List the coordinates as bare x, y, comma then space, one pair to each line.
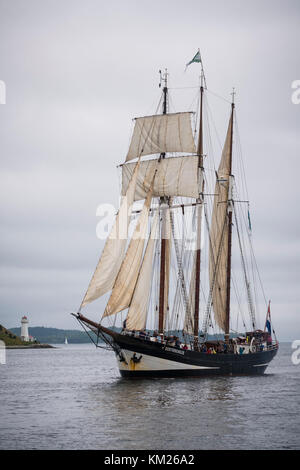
73, 398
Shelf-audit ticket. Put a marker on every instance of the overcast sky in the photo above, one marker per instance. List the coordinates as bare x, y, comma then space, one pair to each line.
76, 73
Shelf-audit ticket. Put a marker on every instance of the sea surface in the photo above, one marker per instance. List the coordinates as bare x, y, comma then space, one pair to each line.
72, 397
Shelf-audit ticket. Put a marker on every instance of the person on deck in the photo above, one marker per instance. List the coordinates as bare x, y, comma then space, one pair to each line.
142, 334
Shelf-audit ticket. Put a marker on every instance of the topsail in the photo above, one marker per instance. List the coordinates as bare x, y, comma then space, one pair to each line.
162, 133
176, 176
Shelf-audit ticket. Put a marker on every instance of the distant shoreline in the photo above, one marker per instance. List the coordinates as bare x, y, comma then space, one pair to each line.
30, 346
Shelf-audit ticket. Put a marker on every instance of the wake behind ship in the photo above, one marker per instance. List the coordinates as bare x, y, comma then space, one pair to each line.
189, 259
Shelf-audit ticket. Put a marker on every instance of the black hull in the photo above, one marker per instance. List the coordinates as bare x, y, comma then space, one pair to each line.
138, 358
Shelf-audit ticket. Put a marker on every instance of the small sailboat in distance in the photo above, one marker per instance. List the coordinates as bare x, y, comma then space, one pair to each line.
66, 340
172, 293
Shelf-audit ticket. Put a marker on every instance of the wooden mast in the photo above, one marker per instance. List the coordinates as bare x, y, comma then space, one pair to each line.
228, 280
199, 208
163, 239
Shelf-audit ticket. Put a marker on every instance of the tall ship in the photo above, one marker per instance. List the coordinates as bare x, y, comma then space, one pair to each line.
177, 271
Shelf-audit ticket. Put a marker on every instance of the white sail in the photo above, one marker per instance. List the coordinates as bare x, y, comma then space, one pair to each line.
162, 133
126, 279
190, 311
114, 249
137, 314
167, 235
189, 317
219, 235
176, 176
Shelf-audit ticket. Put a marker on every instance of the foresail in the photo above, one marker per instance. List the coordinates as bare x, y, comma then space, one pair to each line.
137, 314
162, 133
114, 250
123, 289
219, 236
176, 176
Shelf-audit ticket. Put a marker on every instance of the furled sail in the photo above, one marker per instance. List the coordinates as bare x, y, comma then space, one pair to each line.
218, 258
176, 176
114, 250
162, 133
137, 314
123, 289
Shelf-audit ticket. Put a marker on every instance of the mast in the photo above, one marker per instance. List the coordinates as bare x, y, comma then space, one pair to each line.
229, 227
199, 208
163, 239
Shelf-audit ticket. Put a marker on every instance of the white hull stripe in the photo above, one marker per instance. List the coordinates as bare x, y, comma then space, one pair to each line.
148, 363
260, 365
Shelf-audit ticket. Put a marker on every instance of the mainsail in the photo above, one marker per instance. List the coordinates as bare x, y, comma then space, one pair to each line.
219, 234
114, 250
162, 133
176, 176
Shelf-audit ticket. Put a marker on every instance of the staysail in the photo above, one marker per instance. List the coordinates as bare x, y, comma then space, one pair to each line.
176, 176
162, 133
218, 258
114, 250
124, 285
137, 314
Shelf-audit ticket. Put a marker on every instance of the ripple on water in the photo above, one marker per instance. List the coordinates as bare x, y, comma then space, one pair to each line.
73, 397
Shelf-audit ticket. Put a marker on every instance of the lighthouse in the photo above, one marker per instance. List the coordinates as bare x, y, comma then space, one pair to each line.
24, 329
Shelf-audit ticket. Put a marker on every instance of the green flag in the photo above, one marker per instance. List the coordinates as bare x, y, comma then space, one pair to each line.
196, 58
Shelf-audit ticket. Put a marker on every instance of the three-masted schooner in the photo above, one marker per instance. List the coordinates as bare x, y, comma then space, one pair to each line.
161, 337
